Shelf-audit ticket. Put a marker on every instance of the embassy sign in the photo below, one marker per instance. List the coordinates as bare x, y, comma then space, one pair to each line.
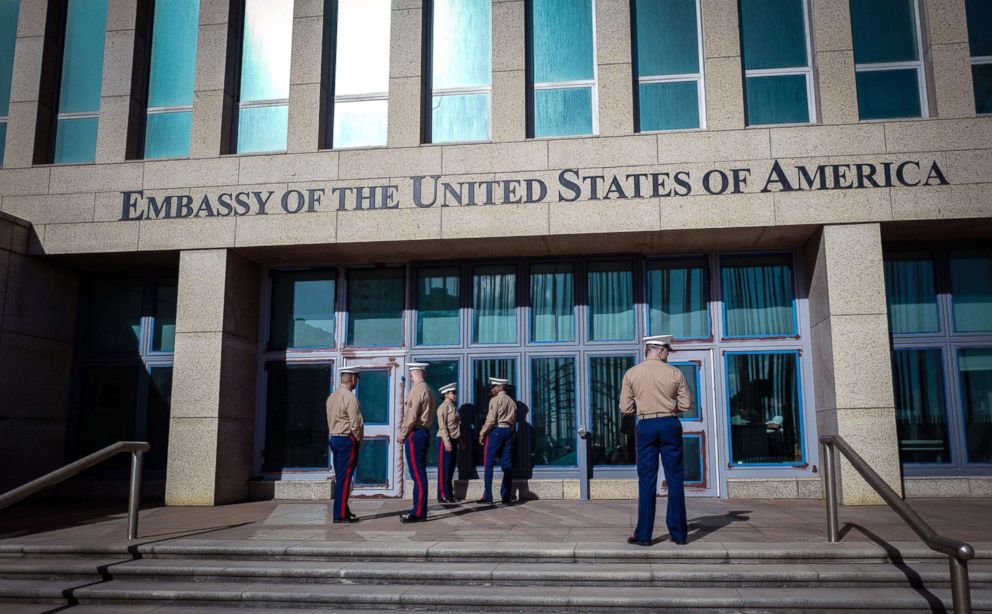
571, 185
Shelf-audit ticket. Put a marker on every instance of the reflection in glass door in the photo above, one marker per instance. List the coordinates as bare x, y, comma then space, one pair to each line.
380, 393
698, 432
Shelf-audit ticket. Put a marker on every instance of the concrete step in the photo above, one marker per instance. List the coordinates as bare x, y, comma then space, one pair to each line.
836, 574
480, 598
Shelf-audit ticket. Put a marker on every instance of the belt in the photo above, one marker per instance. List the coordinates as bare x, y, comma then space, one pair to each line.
660, 414
504, 425
352, 435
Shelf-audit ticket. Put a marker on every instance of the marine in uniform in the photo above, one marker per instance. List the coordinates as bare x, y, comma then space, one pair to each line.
448, 432
657, 392
346, 428
418, 415
497, 436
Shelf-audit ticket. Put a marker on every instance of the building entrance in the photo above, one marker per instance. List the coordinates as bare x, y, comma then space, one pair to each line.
699, 449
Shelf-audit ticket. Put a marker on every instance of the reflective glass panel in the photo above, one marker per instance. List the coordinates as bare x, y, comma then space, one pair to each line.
262, 128
482, 370
295, 420
553, 407
773, 34
561, 40
375, 307
8, 35
75, 140
613, 439
668, 106
692, 453
82, 56
763, 397
438, 306
552, 302
460, 117
777, 100
884, 31
911, 293
462, 48
164, 330
677, 298
167, 134
981, 75
266, 48
886, 94
440, 373
758, 296
666, 37
494, 304
361, 123
108, 403
373, 394
979, 27
611, 301
373, 462
690, 370
971, 289
563, 111
975, 365
114, 315
362, 58
921, 418
173, 62
157, 424
302, 309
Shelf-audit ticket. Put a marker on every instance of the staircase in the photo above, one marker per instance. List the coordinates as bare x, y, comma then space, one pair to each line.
483, 576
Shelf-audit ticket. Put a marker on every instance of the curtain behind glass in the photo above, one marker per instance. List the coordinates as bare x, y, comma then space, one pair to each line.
375, 307
975, 365
611, 301
613, 441
552, 300
763, 394
971, 289
494, 304
911, 292
758, 296
437, 306
554, 407
677, 297
921, 418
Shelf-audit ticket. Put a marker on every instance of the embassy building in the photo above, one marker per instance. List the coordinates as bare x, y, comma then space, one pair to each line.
209, 207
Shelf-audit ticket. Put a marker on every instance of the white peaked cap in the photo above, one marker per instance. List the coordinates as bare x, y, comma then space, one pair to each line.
447, 388
417, 366
353, 369
658, 340
498, 381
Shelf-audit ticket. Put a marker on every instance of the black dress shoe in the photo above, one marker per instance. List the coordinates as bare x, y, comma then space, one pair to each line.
452, 500
351, 517
405, 518
506, 501
681, 542
637, 542
348, 519
484, 501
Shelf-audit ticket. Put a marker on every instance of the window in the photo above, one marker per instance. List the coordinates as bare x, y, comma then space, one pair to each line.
613, 439
561, 71
482, 370
692, 452
980, 43
758, 296
164, 328
82, 74
778, 77
764, 402
975, 365
971, 289
361, 73
887, 59
552, 303
114, 322
611, 301
438, 322
263, 97
375, 307
554, 408
373, 462
921, 416
677, 298
461, 72
108, 408
440, 372
667, 64
494, 304
295, 434
171, 71
8, 37
911, 292
302, 314
373, 394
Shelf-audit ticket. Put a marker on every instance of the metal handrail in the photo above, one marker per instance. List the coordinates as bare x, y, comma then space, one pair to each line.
958, 553
137, 450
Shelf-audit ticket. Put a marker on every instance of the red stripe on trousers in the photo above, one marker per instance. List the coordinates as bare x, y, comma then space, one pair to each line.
416, 475
485, 460
441, 476
347, 478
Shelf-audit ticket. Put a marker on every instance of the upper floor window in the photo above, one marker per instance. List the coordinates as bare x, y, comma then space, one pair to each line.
461, 70
667, 64
361, 73
758, 296
778, 78
8, 35
263, 97
562, 77
677, 297
887, 59
82, 74
171, 70
980, 43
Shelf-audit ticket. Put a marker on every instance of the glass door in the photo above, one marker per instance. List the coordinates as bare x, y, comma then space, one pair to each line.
380, 391
698, 425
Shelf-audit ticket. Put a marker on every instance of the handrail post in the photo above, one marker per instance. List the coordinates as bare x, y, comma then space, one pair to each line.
960, 587
134, 495
830, 486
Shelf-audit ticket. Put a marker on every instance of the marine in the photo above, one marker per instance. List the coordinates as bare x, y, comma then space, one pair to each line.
448, 434
497, 438
418, 415
346, 430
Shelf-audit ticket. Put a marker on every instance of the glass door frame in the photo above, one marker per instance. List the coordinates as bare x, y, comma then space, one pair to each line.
706, 426
395, 366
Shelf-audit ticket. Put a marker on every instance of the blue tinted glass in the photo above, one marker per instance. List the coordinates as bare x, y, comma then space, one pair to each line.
758, 296
360, 124
553, 411
981, 74
295, 435
692, 452
373, 394
777, 100
375, 307
75, 140
461, 43
561, 112
8, 35
979, 27
884, 31
373, 462
667, 41
911, 293
82, 57
773, 34
173, 63
883, 94
437, 307
302, 310
971, 289
461, 117
3, 139
266, 49
561, 44
167, 134
262, 128
669, 106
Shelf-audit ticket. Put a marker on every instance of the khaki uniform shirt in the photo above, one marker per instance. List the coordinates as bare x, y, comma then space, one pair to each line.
654, 387
502, 412
448, 423
419, 410
344, 414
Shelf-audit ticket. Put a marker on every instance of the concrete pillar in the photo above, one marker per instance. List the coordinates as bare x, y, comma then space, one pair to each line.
722, 69
115, 90
948, 59
405, 74
833, 62
310, 25
614, 65
208, 86
211, 430
509, 94
851, 359
23, 112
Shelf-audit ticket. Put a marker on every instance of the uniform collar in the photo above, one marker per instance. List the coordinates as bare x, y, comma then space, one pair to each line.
647, 358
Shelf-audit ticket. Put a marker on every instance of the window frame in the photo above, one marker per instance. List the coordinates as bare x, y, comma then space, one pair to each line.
576, 359
529, 323
945, 369
721, 330
707, 290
